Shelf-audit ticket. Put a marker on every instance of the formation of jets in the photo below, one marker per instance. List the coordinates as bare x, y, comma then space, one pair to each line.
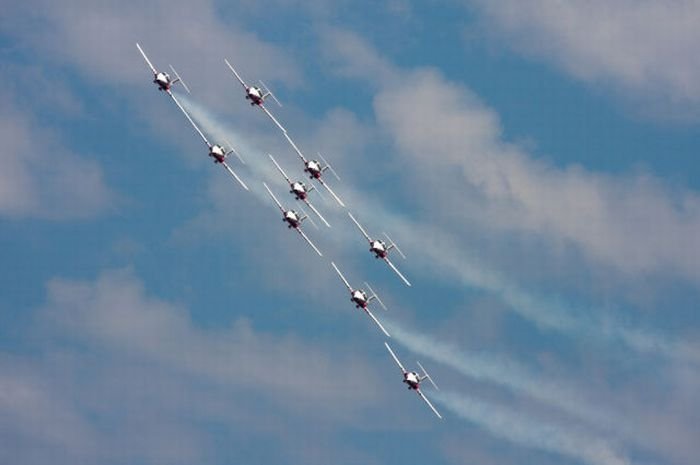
299, 190
257, 95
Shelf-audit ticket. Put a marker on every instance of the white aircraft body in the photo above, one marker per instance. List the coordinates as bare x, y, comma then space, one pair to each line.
299, 190
257, 95
293, 220
361, 299
413, 379
161, 79
380, 249
315, 169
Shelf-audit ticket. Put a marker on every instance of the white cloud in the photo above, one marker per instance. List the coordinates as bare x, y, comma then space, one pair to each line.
35, 418
41, 178
351, 56
117, 375
635, 222
114, 312
454, 145
645, 48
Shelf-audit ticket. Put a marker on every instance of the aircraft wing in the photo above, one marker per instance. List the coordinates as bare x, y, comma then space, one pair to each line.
396, 270
279, 205
189, 118
331, 192
232, 149
274, 120
268, 92
296, 149
234, 175
309, 242
179, 79
313, 188
347, 284
427, 376
307, 217
317, 213
236, 74
422, 396
279, 168
375, 296
396, 359
328, 166
377, 322
150, 65
394, 246
359, 226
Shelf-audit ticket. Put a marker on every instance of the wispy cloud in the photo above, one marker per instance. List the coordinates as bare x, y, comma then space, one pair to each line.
606, 217
646, 49
110, 364
442, 128
41, 177
115, 311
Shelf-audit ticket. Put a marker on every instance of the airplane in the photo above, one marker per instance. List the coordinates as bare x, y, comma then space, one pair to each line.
315, 169
217, 152
413, 379
293, 220
362, 300
161, 79
380, 249
299, 190
257, 95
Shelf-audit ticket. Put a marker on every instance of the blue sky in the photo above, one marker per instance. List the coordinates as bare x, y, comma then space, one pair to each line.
536, 161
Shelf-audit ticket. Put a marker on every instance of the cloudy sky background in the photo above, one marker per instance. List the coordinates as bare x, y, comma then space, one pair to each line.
536, 161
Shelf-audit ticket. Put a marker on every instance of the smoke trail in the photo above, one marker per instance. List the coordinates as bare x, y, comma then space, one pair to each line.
445, 256
483, 367
441, 254
505, 423
452, 261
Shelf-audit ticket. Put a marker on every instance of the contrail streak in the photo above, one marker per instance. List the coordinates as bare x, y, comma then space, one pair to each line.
504, 372
520, 430
442, 254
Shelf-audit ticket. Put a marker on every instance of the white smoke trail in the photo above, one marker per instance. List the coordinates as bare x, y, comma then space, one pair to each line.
509, 425
485, 367
443, 255
452, 261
